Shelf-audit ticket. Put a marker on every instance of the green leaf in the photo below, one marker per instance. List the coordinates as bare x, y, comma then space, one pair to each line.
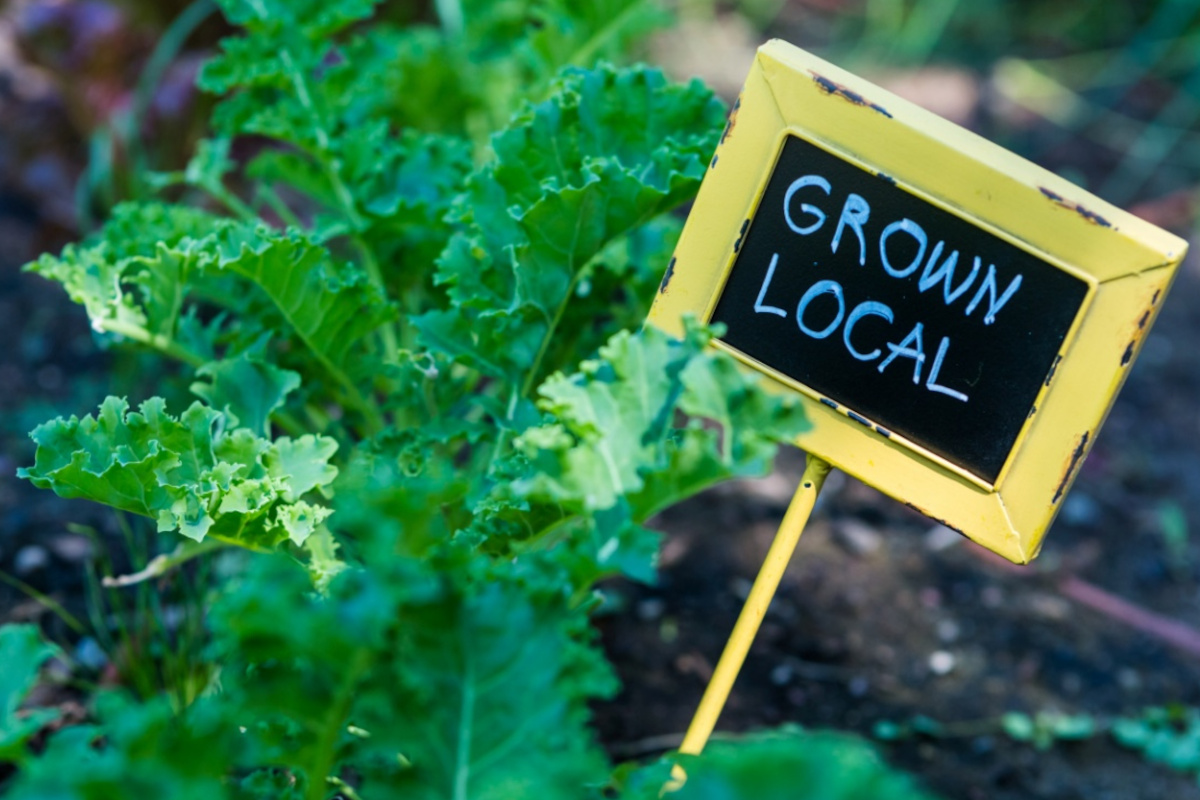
22, 653
1132, 733
137, 270
613, 452
458, 679
135, 750
611, 150
611, 420
300, 465
1073, 726
483, 703
330, 307
313, 19
793, 765
580, 33
1019, 727
191, 474
246, 388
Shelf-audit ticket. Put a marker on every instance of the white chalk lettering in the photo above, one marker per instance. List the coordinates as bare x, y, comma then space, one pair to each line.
912, 348
855, 213
990, 288
797, 185
915, 231
864, 309
817, 289
932, 384
933, 274
762, 293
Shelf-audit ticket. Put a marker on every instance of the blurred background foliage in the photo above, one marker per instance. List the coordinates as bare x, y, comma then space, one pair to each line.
1106, 92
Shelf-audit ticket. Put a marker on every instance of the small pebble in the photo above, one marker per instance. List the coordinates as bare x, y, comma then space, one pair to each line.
782, 675
982, 745
1129, 679
1079, 509
940, 537
857, 538
650, 609
948, 630
941, 662
71, 547
89, 653
172, 617
30, 559
1050, 606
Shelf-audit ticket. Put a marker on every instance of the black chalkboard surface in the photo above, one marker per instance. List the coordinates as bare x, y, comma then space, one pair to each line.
895, 309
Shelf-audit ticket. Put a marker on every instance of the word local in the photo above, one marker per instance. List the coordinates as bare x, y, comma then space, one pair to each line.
855, 213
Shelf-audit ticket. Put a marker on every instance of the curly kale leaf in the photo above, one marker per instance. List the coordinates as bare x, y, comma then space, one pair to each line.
190, 473
154, 267
649, 422
610, 151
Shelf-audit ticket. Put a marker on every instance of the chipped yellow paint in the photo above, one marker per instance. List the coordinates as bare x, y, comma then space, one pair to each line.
1127, 263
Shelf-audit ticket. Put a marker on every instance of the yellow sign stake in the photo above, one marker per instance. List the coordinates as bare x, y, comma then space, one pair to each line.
755, 608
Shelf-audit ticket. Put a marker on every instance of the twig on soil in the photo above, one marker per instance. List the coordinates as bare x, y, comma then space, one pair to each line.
1171, 631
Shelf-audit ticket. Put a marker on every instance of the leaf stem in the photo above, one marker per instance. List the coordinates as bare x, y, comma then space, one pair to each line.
164, 344
466, 720
271, 197
230, 201
587, 50
168, 346
536, 367
330, 163
387, 331
327, 737
162, 564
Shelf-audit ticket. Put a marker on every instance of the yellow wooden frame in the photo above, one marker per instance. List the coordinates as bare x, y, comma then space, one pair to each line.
1127, 263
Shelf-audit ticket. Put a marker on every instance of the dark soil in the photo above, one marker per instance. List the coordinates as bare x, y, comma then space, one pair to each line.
875, 591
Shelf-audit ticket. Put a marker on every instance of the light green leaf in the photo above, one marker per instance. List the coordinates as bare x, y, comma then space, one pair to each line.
330, 307
301, 465
793, 765
136, 271
246, 388
611, 150
190, 474
614, 453
1018, 726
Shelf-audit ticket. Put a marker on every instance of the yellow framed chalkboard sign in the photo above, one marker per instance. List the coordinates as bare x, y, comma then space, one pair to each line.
955, 319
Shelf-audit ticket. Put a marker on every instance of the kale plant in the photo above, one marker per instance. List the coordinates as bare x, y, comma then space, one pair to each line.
404, 282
